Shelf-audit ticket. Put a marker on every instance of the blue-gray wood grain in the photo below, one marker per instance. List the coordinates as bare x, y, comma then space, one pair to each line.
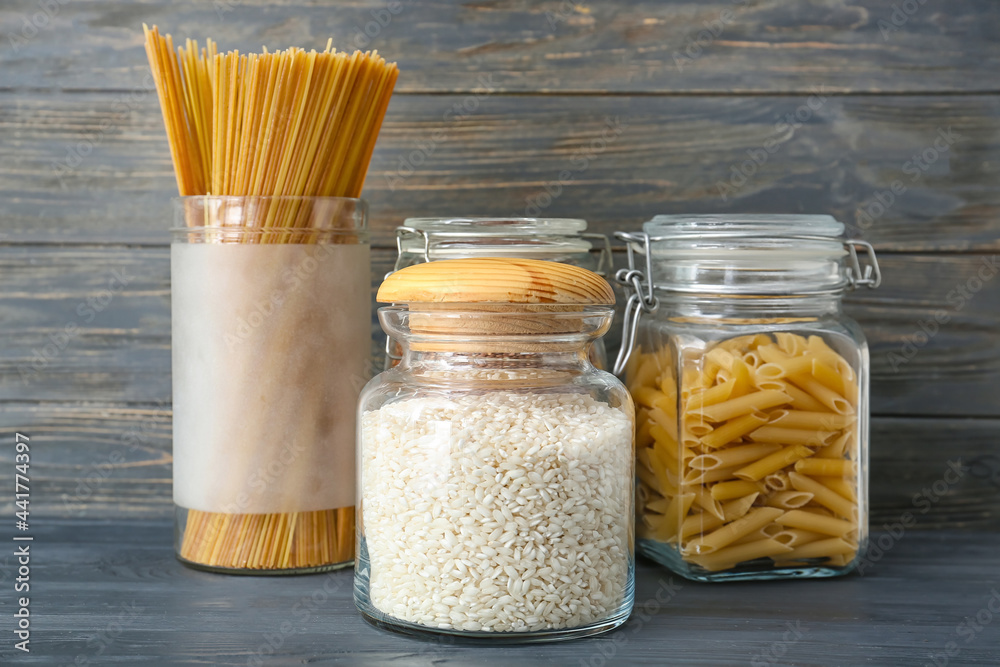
94, 166
726, 46
112, 594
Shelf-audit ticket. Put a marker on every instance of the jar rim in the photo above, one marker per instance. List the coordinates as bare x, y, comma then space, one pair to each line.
744, 254
496, 321
496, 225
470, 236
266, 215
509, 309
746, 225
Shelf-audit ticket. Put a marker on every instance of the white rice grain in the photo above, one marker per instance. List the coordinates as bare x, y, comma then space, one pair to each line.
506, 512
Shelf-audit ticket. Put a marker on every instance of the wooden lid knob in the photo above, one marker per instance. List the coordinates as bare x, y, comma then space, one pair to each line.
496, 280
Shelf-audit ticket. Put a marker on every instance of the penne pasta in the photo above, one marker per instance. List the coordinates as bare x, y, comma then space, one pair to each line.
763, 383
725, 559
691, 381
704, 500
752, 451
742, 379
791, 344
708, 476
818, 523
777, 482
825, 467
647, 396
734, 489
643, 437
666, 482
721, 537
749, 342
827, 376
753, 537
699, 524
804, 419
778, 366
831, 546
737, 508
840, 561
668, 386
659, 505
648, 477
773, 462
771, 529
646, 374
802, 400
819, 349
788, 500
710, 396
661, 460
737, 407
665, 422
792, 436
795, 537
734, 429
732, 456
823, 394
679, 506
843, 487
837, 448
825, 496
696, 427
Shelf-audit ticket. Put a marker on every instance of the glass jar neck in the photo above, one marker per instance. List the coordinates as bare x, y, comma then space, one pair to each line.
552, 239
752, 308
500, 359
498, 338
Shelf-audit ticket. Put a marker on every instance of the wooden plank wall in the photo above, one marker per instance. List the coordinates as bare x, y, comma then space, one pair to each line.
885, 113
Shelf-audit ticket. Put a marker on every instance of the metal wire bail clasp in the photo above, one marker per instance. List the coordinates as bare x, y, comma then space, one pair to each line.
639, 287
404, 233
870, 276
605, 258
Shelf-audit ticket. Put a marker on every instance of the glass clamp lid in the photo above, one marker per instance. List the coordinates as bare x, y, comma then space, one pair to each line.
431, 239
743, 255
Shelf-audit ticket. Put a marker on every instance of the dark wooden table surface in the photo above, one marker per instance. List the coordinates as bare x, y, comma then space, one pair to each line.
112, 594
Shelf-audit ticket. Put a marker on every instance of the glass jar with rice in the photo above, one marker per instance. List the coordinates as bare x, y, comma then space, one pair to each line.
495, 462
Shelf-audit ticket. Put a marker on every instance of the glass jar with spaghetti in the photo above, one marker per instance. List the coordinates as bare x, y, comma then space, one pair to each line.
271, 336
751, 389
562, 240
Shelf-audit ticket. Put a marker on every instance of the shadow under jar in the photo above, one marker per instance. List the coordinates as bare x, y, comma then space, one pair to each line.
271, 334
496, 475
751, 388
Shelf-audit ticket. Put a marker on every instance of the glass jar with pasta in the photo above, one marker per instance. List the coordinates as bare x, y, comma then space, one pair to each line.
751, 389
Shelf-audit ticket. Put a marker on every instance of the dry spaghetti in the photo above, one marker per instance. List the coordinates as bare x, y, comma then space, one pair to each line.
277, 125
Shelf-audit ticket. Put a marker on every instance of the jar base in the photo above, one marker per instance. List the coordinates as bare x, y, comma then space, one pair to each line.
668, 557
317, 569
446, 636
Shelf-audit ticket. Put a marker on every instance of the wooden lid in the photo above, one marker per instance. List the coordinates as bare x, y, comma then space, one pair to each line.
458, 305
496, 280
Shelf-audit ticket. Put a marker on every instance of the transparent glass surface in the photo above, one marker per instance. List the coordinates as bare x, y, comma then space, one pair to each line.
751, 255
751, 391
555, 239
562, 240
270, 332
496, 479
